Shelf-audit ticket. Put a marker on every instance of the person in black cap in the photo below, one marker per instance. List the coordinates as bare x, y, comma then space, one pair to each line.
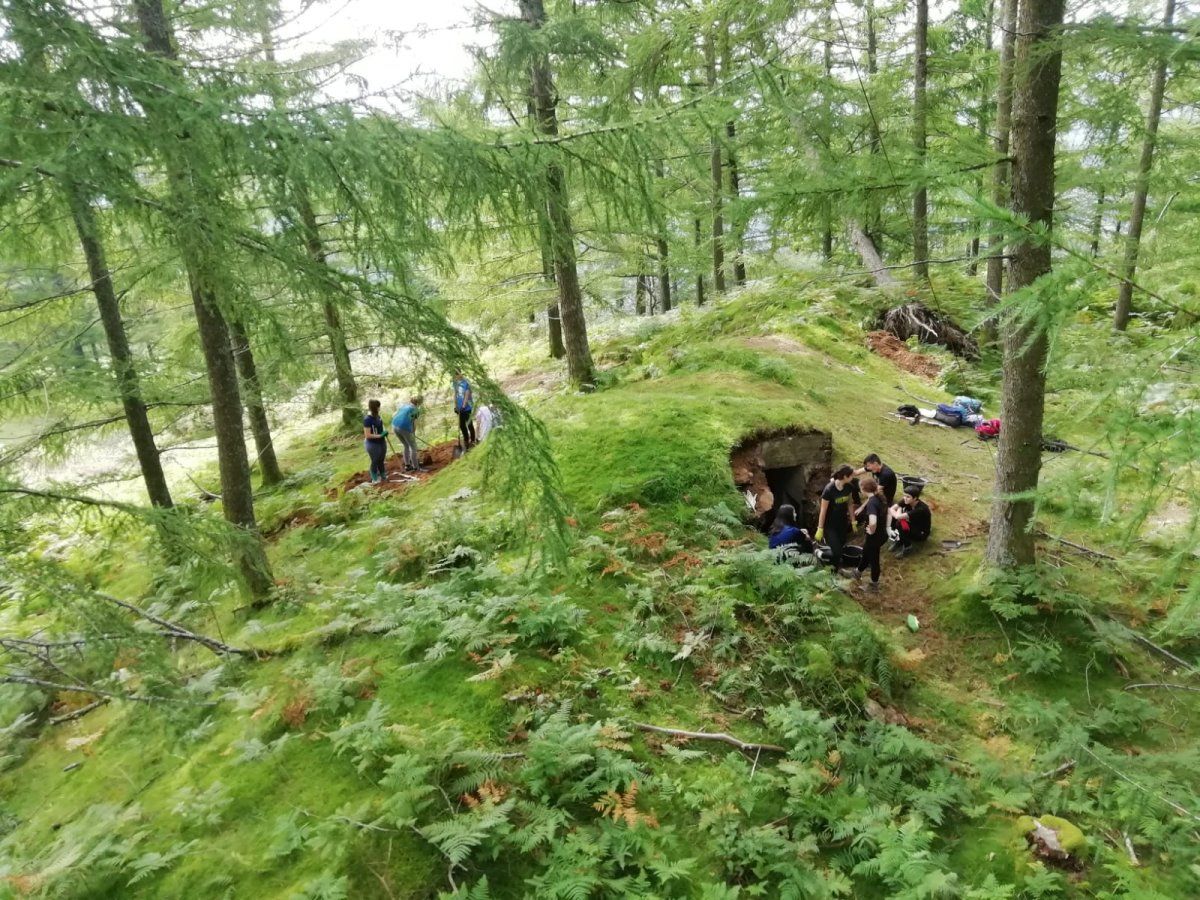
910, 521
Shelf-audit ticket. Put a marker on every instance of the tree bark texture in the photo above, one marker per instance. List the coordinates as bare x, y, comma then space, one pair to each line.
717, 188
920, 195
735, 193
1038, 63
983, 124
874, 223
699, 272
1098, 222
237, 496
124, 372
1004, 102
662, 248
1137, 212
334, 332
580, 369
256, 410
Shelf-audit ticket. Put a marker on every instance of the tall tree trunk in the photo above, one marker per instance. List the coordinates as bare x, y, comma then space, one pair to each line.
717, 190
1098, 222
558, 215
124, 371
988, 24
827, 203
639, 295
699, 271
1025, 345
920, 195
1004, 103
313, 245
237, 495
735, 193
256, 410
1137, 212
334, 333
874, 223
663, 250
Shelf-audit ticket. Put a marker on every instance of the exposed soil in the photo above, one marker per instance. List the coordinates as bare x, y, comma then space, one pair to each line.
433, 459
787, 465
891, 347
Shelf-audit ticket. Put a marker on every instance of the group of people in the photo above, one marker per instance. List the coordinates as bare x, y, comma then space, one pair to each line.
859, 498
473, 426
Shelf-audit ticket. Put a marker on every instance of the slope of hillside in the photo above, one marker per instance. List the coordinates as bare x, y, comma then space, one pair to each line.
430, 712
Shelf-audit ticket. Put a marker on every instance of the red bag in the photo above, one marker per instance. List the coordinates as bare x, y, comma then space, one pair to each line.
988, 429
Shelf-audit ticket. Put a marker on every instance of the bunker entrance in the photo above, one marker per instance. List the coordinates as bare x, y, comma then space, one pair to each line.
788, 465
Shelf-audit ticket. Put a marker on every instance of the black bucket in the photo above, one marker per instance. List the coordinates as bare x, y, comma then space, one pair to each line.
911, 481
850, 554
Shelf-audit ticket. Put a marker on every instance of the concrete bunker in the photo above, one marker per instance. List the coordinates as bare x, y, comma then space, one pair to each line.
787, 465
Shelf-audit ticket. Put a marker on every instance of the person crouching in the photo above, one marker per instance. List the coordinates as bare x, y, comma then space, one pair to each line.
910, 521
786, 536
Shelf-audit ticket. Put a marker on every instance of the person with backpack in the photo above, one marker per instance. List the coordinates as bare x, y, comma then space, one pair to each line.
787, 537
835, 522
883, 475
404, 426
464, 405
910, 521
375, 442
876, 510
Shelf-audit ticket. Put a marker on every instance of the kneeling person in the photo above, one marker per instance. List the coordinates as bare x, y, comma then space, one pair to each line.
786, 537
911, 521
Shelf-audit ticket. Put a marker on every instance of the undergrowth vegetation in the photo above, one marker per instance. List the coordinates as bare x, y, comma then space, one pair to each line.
431, 707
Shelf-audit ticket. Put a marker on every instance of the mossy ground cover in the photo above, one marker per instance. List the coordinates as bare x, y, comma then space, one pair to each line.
412, 628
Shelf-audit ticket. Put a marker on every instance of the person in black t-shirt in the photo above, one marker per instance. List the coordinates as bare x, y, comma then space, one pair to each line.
835, 522
876, 510
884, 475
911, 521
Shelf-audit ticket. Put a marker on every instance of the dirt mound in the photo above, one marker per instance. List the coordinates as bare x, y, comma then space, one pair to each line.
433, 459
891, 347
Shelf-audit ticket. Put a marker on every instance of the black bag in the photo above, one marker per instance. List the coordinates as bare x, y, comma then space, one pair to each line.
908, 411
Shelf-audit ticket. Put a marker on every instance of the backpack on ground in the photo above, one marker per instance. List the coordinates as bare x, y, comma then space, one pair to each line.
988, 429
908, 411
948, 415
970, 404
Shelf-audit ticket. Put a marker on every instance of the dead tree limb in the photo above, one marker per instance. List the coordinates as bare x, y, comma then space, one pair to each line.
1058, 770
1161, 684
1087, 551
175, 630
709, 736
79, 713
98, 692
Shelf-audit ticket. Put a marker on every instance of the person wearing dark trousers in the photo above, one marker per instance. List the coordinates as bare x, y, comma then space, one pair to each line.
404, 425
464, 405
876, 510
835, 522
882, 474
910, 522
375, 442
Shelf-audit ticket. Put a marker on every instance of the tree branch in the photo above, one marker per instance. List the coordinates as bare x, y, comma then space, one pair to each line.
709, 736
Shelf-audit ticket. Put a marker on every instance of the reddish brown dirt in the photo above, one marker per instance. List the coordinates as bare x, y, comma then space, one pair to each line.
748, 475
433, 459
891, 347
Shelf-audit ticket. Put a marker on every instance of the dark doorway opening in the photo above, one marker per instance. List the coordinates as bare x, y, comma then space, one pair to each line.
777, 466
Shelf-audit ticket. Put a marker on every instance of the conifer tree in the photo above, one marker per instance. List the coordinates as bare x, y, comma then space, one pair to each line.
920, 128
1000, 171
1137, 212
1038, 68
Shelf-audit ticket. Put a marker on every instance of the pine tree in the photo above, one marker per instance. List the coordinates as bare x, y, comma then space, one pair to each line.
1137, 212
920, 128
1038, 67
1000, 171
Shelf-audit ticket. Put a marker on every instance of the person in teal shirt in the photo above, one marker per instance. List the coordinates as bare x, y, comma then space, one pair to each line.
404, 426
464, 405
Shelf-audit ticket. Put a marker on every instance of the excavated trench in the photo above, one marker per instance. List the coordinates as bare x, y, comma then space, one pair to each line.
785, 465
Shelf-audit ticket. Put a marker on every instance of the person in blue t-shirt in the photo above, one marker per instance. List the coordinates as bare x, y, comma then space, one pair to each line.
404, 425
375, 442
464, 405
786, 536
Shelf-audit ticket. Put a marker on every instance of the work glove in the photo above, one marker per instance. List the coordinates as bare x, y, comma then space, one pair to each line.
893, 534
820, 535
854, 527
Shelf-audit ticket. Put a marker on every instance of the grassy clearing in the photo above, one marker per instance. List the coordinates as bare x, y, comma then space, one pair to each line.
410, 628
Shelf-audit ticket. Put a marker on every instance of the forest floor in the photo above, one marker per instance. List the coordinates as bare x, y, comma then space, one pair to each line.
411, 636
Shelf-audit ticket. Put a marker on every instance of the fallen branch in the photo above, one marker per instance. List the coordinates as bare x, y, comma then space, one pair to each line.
1161, 684
709, 736
79, 713
173, 629
1055, 772
1145, 642
1133, 859
99, 692
1087, 551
